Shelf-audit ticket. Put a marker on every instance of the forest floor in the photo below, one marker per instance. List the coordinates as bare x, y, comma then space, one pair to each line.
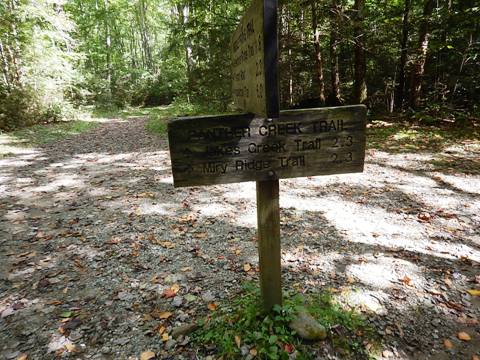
100, 256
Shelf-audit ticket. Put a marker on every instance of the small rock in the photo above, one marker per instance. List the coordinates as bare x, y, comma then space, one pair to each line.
185, 341
124, 296
177, 301
12, 355
245, 350
190, 297
307, 327
170, 344
208, 297
75, 335
7, 312
121, 341
184, 330
57, 343
387, 354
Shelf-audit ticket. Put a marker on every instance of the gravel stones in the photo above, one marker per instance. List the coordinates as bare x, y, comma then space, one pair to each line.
99, 233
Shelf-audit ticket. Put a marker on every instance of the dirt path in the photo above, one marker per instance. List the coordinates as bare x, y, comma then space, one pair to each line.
92, 233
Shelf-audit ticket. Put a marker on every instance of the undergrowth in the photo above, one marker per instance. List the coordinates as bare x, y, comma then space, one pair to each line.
241, 329
47, 133
159, 117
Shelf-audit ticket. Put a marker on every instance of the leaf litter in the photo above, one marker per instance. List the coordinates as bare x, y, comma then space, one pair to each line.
101, 257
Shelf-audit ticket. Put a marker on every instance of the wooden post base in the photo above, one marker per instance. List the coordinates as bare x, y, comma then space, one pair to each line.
268, 214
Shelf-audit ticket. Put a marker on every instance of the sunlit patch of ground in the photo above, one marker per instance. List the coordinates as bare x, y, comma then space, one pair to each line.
400, 242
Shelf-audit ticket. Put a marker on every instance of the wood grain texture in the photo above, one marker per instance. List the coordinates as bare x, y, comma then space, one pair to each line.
268, 215
254, 49
237, 148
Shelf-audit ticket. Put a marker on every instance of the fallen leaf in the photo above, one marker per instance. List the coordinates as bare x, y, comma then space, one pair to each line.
147, 355
71, 348
171, 292
201, 235
464, 336
406, 280
448, 344
54, 302
400, 330
425, 217
114, 241
156, 279
475, 357
161, 330
167, 245
289, 348
212, 306
165, 315
238, 341
247, 267
165, 337
66, 314
253, 352
146, 195
22, 357
447, 281
474, 292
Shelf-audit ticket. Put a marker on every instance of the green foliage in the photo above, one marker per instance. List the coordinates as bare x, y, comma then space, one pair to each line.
154, 52
37, 56
270, 337
48, 133
159, 116
156, 125
417, 135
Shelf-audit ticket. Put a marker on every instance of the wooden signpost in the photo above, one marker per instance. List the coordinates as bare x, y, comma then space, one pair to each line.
265, 145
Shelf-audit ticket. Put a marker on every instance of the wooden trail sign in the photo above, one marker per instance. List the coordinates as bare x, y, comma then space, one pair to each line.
230, 149
265, 145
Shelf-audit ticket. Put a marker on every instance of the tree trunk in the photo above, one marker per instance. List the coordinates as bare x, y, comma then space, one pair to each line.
421, 58
144, 34
5, 67
318, 53
360, 86
335, 96
108, 45
13, 46
400, 97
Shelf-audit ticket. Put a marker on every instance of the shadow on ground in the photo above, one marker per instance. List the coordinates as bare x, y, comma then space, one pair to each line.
92, 234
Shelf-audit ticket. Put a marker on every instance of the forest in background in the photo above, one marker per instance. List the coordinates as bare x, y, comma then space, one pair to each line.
57, 55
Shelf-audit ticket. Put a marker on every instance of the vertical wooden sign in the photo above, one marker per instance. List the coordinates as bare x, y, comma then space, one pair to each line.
254, 49
255, 89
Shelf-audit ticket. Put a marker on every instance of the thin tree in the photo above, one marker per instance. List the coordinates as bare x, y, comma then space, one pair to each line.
318, 53
360, 85
400, 96
335, 15
421, 57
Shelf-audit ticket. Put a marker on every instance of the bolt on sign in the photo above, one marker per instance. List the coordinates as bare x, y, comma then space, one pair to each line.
265, 144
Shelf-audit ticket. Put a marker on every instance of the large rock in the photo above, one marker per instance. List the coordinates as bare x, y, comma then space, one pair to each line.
307, 327
184, 330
